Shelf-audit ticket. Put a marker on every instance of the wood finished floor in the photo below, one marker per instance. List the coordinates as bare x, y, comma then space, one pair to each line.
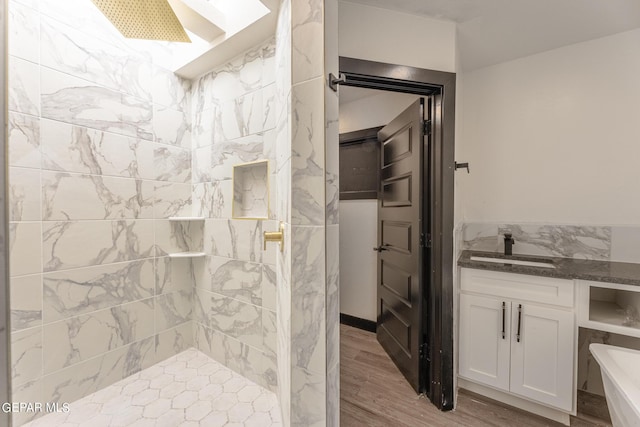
373, 393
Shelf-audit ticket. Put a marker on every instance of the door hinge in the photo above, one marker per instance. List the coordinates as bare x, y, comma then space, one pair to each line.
426, 127
424, 351
425, 240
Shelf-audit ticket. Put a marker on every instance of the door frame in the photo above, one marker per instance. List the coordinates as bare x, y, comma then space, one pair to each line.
439, 316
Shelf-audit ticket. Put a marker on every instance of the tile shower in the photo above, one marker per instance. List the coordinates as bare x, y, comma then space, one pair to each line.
101, 146
106, 145
99, 157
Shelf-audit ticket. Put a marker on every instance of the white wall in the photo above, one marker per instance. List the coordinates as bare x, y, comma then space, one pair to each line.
457, 202
358, 237
372, 111
554, 137
398, 38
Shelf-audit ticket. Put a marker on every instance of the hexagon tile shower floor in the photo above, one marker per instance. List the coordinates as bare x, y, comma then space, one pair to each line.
187, 390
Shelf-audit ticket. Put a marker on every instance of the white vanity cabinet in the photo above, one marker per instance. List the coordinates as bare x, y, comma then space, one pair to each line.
542, 360
484, 352
517, 335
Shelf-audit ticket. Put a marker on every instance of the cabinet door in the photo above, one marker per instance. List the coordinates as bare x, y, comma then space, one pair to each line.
542, 358
484, 351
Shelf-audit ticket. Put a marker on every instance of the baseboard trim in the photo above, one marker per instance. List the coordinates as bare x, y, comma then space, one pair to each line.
509, 399
356, 322
593, 405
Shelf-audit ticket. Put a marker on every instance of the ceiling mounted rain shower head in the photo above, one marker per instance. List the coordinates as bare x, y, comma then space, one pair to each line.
144, 19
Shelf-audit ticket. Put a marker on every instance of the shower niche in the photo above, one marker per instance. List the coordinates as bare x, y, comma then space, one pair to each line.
251, 190
191, 226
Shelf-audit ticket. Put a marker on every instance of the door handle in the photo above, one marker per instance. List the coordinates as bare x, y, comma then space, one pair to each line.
504, 309
519, 322
381, 248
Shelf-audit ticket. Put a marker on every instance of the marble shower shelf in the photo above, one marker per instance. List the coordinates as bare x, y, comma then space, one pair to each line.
186, 218
187, 255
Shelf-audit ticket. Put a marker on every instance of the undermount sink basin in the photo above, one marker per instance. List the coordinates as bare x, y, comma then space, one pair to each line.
513, 261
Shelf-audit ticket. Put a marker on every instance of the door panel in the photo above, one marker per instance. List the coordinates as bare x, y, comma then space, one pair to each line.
399, 147
397, 281
397, 192
397, 235
484, 352
399, 225
542, 361
397, 328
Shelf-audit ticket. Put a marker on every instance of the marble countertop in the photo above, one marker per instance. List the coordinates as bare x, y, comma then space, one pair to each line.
565, 268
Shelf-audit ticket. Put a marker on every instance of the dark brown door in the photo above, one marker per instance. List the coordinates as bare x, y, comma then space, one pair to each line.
399, 323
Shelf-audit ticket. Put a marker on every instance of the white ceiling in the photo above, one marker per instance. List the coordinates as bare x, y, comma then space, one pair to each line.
351, 94
494, 31
348, 94
245, 22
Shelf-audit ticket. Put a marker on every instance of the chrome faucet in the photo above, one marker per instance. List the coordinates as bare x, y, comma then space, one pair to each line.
509, 241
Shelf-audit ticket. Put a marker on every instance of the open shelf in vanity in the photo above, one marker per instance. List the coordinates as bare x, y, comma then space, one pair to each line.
609, 307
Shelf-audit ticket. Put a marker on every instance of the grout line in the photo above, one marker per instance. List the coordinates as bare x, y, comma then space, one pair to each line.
261, 307
75, 173
95, 266
155, 302
100, 310
136, 138
268, 353
93, 358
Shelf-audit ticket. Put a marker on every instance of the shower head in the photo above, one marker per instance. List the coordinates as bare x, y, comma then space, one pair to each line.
144, 19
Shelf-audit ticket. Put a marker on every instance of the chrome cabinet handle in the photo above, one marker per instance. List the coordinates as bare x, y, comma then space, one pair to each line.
519, 321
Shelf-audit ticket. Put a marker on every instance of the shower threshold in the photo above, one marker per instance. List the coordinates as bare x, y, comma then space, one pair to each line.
186, 390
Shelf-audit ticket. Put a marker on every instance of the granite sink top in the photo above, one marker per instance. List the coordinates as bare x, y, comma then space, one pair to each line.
563, 268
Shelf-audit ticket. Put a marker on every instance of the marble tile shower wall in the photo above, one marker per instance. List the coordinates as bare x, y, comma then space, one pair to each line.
100, 156
5, 370
332, 242
283, 205
609, 243
314, 222
235, 285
